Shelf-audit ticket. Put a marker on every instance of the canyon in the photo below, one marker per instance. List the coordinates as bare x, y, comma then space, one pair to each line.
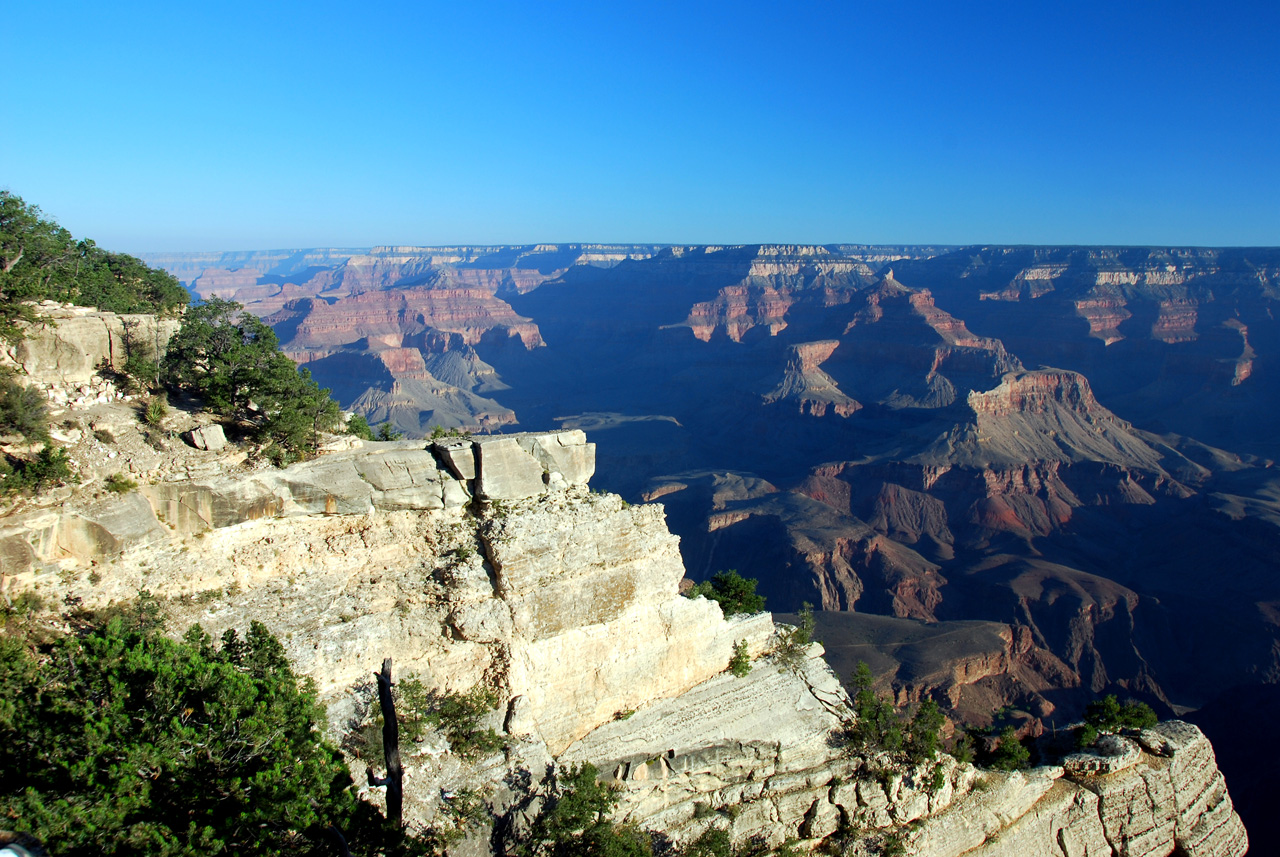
1069, 444
489, 561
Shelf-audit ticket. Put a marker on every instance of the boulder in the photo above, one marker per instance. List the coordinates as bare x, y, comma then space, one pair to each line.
506, 471
209, 437
563, 452
458, 456
109, 527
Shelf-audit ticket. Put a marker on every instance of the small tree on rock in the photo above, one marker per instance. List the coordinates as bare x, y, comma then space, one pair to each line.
733, 592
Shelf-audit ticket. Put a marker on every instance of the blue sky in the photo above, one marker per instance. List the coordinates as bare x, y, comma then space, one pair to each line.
175, 126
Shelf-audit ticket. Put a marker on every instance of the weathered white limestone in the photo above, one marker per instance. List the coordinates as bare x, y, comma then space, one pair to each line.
68, 345
1158, 804
505, 471
566, 602
397, 476
590, 580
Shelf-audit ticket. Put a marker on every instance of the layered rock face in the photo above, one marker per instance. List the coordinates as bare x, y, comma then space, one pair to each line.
373, 325
1164, 797
389, 318
70, 345
1164, 334
373, 477
566, 600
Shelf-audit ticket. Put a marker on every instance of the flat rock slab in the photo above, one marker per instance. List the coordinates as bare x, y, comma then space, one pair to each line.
506, 470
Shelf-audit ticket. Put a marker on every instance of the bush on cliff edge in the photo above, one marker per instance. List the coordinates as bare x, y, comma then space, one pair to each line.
733, 592
119, 740
233, 362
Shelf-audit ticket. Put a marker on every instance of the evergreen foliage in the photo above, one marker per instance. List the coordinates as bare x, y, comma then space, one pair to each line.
50, 467
1010, 754
118, 483
1108, 715
740, 663
22, 410
924, 733
575, 823
234, 363
129, 742
359, 427
733, 592
794, 642
141, 370
40, 260
876, 725
458, 715
879, 726
712, 842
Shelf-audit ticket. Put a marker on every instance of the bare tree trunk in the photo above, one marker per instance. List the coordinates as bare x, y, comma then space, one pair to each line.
394, 780
8, 265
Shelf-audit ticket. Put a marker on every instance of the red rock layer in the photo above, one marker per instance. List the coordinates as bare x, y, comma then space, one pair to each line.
1036, 393
738, 309
378, 315
224, 283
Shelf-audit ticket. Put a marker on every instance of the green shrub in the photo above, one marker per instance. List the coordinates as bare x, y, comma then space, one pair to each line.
419, 709
233, 362
924, 733
733, 592
876, 725
740, 663
118, 483
50, 467
794, 642
438, 432
130, 742
712, 842
155, 411
937, 779
575, 821
387, 432
465, 811
359, 427
1009, 754
893, 843
879, 727
1108, 715
41, 260
787, 849
962, 747
22, 410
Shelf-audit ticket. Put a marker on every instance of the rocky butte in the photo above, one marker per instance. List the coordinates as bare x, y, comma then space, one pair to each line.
490, 561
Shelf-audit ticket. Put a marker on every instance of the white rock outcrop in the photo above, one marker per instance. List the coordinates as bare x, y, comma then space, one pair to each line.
67, 346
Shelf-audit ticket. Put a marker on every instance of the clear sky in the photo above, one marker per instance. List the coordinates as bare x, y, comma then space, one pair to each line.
204, 126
